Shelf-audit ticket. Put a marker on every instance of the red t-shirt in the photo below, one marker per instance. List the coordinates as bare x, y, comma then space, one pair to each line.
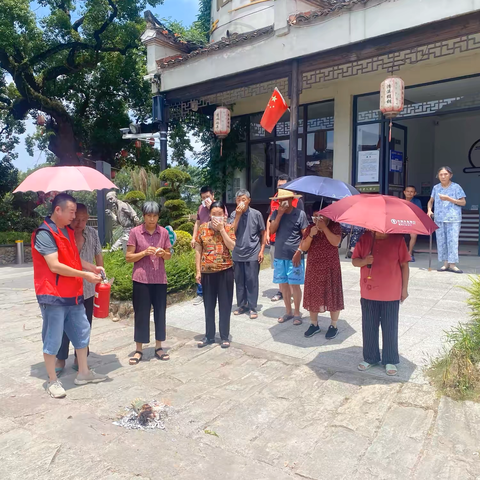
385, 283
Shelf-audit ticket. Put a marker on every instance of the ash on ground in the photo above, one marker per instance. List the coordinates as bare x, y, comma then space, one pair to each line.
141, 415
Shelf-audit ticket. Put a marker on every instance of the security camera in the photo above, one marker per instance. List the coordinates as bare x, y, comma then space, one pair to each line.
125, 130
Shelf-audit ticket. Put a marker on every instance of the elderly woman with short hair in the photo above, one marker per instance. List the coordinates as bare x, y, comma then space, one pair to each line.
148, 247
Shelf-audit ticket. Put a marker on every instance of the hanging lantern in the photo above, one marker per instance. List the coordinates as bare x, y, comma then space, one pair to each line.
392, 97
151, 142
221, 124
113, 174
41, 120
138, 144
124, 153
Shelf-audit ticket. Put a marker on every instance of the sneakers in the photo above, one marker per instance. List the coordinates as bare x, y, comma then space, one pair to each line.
312, 330
90, 377
332, 332
198, 300
56, 390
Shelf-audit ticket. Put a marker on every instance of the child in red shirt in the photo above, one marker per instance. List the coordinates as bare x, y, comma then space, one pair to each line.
382, 288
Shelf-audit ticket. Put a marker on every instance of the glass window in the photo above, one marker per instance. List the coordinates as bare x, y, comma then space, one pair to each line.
320, 116
368, 108
262, 170
368, 155
239, 177
319, 155
257, 132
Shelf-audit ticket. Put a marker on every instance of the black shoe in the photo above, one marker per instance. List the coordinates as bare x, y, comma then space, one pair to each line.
332, 332
204, 342
349, 254
312, 330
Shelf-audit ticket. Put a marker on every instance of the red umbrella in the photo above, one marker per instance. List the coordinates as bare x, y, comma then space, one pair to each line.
59, 179
381, 213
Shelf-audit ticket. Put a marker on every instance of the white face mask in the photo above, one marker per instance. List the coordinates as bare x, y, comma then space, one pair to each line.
207, 202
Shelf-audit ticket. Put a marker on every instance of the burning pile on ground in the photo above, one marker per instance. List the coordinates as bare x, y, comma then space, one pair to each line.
142, 415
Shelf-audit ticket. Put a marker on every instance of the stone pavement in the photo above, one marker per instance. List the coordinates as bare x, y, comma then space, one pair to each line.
274, 406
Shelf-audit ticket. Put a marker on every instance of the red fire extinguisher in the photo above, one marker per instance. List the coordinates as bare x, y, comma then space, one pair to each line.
101, 305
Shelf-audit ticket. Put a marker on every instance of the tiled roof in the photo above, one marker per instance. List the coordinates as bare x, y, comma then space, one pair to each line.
226, 42
327, 7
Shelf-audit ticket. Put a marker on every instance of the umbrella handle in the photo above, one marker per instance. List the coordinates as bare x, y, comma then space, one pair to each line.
371, 252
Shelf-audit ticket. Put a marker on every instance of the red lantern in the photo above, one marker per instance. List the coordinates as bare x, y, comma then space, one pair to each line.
41, 120
221, 124
151, 142
124, 153
138, 144
113, 174
392, 98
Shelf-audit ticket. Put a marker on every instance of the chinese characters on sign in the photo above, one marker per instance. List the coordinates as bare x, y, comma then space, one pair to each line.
368, 166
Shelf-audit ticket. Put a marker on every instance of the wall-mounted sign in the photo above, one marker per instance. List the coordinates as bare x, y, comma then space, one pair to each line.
396, 161
368, 166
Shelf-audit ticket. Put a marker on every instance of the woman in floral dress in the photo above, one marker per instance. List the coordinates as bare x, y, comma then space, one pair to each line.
323, 277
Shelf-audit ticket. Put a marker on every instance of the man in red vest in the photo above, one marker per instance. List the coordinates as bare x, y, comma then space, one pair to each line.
58, 275
274, 204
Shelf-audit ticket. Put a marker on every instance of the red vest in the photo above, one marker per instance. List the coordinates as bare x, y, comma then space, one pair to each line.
274, 204
51, 288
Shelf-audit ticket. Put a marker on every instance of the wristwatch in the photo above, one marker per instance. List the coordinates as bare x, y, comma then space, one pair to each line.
301, 251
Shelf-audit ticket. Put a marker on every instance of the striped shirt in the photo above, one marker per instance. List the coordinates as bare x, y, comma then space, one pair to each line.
149, 269
90, 249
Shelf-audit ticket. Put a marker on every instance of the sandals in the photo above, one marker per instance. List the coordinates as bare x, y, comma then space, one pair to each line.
364, 366
391, 370
253, 315
443, 269
285, 318
455, 270
225, 344
163, 356
297, 320
240, 311
59, 371
277, 297
135, 361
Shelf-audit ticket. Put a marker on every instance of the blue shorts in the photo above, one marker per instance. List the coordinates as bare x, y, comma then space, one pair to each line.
285, 272
56, 319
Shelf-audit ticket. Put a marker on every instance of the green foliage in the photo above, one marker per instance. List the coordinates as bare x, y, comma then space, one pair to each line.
456, 372
180, 273
12, 218
135, 196
177, 206
116, 266
162, 191
182, 244
82, 64
176, 223
187, 227
175, 178
146, 182
8, 238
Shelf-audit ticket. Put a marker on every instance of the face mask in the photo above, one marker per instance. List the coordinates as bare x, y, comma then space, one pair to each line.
207, 202
218, 219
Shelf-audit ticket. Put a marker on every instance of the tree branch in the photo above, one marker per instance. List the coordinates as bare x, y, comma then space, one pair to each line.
106, 24
78, 23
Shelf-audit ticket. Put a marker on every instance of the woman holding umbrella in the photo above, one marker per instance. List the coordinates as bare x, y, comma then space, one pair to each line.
323, 277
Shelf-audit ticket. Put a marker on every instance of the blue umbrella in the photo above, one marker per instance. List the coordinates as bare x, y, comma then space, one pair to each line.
321, 187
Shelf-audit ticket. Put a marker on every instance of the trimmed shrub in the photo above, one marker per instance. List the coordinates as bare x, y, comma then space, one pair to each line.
135, 196
186, 227
175, 205
180, 273
183, 243
8, 238
162, 191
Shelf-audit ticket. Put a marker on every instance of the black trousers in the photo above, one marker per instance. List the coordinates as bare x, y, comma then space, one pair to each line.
146, 295
65, 347
246, 281
374, 314
218, 285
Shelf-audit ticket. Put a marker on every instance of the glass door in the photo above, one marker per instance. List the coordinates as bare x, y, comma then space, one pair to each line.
396, 160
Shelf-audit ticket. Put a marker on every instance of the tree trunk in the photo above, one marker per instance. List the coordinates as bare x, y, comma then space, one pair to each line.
63, 144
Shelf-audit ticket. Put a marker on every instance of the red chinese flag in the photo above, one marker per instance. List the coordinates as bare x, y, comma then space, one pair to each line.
273, 113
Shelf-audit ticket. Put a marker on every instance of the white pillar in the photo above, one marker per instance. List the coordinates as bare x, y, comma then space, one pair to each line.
342, 161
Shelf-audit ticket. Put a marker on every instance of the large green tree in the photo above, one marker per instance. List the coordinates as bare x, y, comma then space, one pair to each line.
82, 64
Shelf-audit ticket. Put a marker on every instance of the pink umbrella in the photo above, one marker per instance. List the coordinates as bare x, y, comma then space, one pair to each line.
59, 179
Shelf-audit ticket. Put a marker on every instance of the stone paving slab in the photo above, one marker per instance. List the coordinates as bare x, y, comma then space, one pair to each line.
280, 406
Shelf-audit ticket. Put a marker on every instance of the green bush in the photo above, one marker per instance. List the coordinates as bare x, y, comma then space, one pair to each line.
176, 223
180, 273
183, 243
175, 205
8, 238
135, 196
170, 196
162, 191
186, 227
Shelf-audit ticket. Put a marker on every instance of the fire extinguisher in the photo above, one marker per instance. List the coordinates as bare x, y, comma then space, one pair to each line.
101, 305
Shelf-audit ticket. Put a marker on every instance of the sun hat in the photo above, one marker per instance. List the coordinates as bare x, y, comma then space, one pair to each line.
284, 195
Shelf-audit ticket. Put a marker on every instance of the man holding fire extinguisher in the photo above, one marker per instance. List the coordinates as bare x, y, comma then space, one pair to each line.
90, 250
58, 273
